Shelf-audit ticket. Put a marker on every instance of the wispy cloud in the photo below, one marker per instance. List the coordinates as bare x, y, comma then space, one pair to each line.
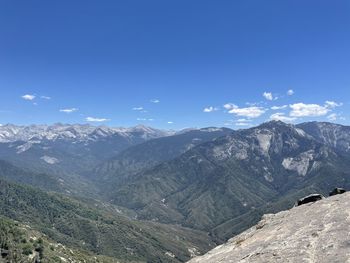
290, 92
279, 107
229, 106
138, 108
68, 110
244, 120
243, 124
280, 116
28, 97
155, 101
93, 119
210, 109
332, 117
144, 119
45, 97
248, 112
170, 122
333, 104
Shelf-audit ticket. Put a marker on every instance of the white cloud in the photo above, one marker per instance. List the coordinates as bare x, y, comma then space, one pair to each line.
155, 101
144, 119
28, 97
45, 97
248, 112
333, 104
290, 92
69, 110
229, 106
280, 116
244, 120
242, 124
253, 103
279, 107
93, 119
308, 110
138, 108
332, 117
210, 109
268, 95
170, 122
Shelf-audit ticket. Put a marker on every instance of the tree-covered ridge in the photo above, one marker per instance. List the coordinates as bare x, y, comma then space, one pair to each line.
21, 243
74, 224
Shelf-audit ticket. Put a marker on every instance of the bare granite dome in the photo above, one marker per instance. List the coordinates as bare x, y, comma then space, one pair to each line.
314, 233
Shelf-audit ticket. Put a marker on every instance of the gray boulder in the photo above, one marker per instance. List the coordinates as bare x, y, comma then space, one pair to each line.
309, 199
337, 191
315, 234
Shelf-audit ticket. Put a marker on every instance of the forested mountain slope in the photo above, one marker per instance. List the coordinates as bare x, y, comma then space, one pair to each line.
74, 224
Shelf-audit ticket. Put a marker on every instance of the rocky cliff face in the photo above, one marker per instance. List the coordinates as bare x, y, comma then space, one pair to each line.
315, 233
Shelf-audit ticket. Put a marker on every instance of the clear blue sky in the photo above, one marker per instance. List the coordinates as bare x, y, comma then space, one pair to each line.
102, 61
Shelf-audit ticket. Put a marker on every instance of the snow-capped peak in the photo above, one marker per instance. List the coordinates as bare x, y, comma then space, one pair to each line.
76, 132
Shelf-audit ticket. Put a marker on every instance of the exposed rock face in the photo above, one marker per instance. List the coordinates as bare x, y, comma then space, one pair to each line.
315, 233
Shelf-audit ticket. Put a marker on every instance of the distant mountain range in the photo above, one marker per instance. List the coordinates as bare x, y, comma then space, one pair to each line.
68, 151
75, 132
211, 180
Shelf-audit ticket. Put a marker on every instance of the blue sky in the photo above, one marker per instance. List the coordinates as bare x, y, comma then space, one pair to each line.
174, 64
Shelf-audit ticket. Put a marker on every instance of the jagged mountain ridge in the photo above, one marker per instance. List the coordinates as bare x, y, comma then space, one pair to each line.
74, 132
333, 135
314, 232
136, 158
233, 175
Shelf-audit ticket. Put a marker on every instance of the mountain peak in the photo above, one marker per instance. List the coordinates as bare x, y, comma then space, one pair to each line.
275, 123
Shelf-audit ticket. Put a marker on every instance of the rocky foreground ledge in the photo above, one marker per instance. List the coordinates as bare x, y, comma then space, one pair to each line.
314, 233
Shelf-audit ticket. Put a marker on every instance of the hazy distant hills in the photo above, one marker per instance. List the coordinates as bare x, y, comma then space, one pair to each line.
68, 149
211, 180
67, 152
43, 181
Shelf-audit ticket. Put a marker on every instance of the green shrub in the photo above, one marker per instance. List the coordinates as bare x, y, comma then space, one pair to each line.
27, 250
